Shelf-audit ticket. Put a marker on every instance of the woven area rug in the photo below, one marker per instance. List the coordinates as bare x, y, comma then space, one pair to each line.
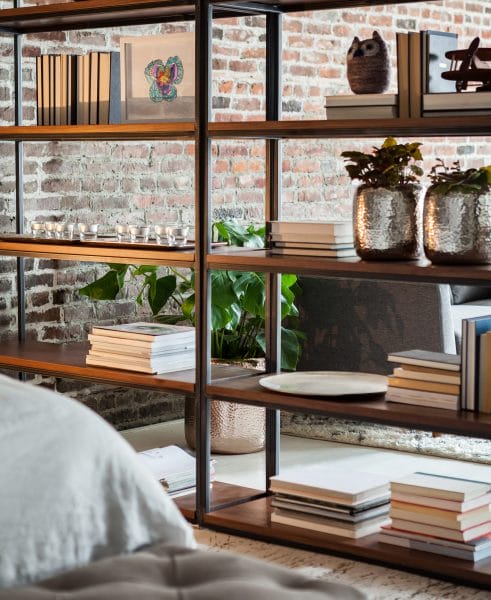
377, 583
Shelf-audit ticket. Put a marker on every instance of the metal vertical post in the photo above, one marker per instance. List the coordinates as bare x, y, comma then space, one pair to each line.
202, 281
19, 189
273, 207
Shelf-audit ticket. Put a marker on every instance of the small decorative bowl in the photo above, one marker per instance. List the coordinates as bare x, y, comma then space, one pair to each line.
177, 234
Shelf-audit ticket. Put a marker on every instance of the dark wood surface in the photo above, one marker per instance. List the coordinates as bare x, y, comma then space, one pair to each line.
354, 268
68, 360
366, 128
108, 13
119, 132
253, 519
94, 252
221, 493
376, 409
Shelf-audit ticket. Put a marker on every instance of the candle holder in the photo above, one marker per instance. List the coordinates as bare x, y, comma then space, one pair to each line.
60, 229
139, 233
49, 229
122, 232
88, 231
177, 234
37, 229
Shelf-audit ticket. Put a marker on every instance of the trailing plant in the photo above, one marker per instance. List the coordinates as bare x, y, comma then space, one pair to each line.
454, 179
390, 165
237, 299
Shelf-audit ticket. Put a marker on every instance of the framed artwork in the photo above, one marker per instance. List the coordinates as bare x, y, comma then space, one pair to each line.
157, 78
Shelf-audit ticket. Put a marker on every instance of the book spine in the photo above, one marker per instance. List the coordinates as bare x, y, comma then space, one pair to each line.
403, 74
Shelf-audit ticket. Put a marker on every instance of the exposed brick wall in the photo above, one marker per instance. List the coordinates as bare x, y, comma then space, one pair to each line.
149, 182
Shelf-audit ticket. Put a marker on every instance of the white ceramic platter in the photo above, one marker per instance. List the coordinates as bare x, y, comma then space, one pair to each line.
326, 383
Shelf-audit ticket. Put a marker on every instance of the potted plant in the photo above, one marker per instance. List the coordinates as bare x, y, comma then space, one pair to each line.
457, 214
387, 207
237, 326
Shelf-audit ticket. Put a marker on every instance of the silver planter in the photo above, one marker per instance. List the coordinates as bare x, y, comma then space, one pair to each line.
387, 222
235, 428
457, 227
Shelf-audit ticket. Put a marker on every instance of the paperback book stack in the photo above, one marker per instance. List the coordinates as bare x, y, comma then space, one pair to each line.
425, 378
440, 514
332, 239
142, 347
343, 503
174, 468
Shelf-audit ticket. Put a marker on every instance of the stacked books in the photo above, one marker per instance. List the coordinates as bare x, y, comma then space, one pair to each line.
332, 501
174, 468
142, 347
425, 378
78, 89
362, 106
332, 239
440, 514
476, 364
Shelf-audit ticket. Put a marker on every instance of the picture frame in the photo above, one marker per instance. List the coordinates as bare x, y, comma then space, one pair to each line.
158, 78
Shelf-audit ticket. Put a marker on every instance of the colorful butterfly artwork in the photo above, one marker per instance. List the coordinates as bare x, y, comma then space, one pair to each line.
163, 78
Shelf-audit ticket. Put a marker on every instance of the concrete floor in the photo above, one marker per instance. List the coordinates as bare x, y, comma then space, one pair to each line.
248, 469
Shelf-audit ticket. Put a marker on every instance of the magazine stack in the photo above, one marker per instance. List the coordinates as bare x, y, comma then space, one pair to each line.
143, 347
331, 501
174, 468
331, 239
440, 514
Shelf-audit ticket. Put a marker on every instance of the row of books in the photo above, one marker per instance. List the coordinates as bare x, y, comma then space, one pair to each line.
425, 378
421, 60
142, 347
174, 468
332, 501
441, 514
78, 89
330, 239
476, 364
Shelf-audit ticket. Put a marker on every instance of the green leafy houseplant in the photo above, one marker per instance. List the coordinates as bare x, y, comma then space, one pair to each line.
390, 165
237, 302
454, 179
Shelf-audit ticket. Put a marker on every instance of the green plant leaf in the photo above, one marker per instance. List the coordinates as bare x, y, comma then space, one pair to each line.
163, 290
187, 307
290, 349
104, 288
220, 317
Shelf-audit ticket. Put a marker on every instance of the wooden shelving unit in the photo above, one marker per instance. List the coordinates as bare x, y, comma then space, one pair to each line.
232, 508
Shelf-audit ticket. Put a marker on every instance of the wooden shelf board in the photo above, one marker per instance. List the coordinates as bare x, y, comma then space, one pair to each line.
248, 391
120, 132
358, 128
94, 252
253, 519
220, 493
68, 360
354, 268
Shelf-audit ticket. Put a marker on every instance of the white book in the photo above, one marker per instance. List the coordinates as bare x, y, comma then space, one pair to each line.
324, 525
154, 362
362, 112
361, 100
480, 543
440, 486
426, 358
460, 100
149, 332
443, 532
448, 377
326, 228
453, 505
312, 238
168, 461
131, 365
435, 548
459, 522
315, 245
420, 398
325, 483
338, 253
145, 351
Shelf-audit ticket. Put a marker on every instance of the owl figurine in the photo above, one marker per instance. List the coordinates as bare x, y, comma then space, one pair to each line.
368, 65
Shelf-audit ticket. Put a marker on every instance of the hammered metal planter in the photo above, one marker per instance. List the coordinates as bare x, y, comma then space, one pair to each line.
457, 227
235, 428
387, 223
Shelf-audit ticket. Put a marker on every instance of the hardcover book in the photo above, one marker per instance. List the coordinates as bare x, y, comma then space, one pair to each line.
440, 486
425, 358
146, 331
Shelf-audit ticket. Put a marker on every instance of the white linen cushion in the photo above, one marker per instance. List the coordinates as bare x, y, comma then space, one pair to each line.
72, 489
